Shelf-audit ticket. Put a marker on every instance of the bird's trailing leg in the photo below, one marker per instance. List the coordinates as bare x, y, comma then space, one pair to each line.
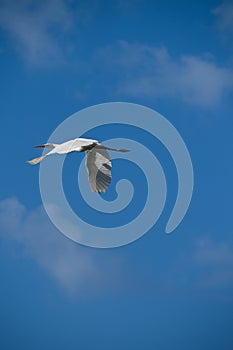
36, 160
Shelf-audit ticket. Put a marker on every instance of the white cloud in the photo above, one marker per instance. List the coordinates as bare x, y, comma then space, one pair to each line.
224, 16
73, 267
208, 266
32, 25
205, 265
212, 253
215, 261
151, 72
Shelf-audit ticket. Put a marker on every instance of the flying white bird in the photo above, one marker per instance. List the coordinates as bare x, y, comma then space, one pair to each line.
98, 162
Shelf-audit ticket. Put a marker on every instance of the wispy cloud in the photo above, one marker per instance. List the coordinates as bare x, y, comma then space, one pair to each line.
36, 27
149, 71
80, 270
73, 267
204, 268
224, 16
212, 253
215, 261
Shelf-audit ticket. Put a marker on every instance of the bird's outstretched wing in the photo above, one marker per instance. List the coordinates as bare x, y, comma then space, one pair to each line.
99, 169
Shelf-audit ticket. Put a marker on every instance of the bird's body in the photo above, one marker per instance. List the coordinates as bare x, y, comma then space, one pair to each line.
98, 162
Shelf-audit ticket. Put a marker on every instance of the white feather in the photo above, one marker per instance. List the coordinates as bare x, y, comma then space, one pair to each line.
98, 162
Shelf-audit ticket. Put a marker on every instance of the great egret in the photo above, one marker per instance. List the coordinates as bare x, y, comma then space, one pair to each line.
98, 162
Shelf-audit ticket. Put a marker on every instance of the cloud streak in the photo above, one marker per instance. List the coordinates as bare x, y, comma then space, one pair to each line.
41, 32
81, 271
224, 16
215, 260
36, 27
151, 72
73, 267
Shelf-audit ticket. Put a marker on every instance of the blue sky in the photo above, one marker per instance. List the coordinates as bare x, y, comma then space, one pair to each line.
162, 291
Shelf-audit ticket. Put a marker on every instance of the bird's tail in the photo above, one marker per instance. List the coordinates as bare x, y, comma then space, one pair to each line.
36, 160
112, 149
